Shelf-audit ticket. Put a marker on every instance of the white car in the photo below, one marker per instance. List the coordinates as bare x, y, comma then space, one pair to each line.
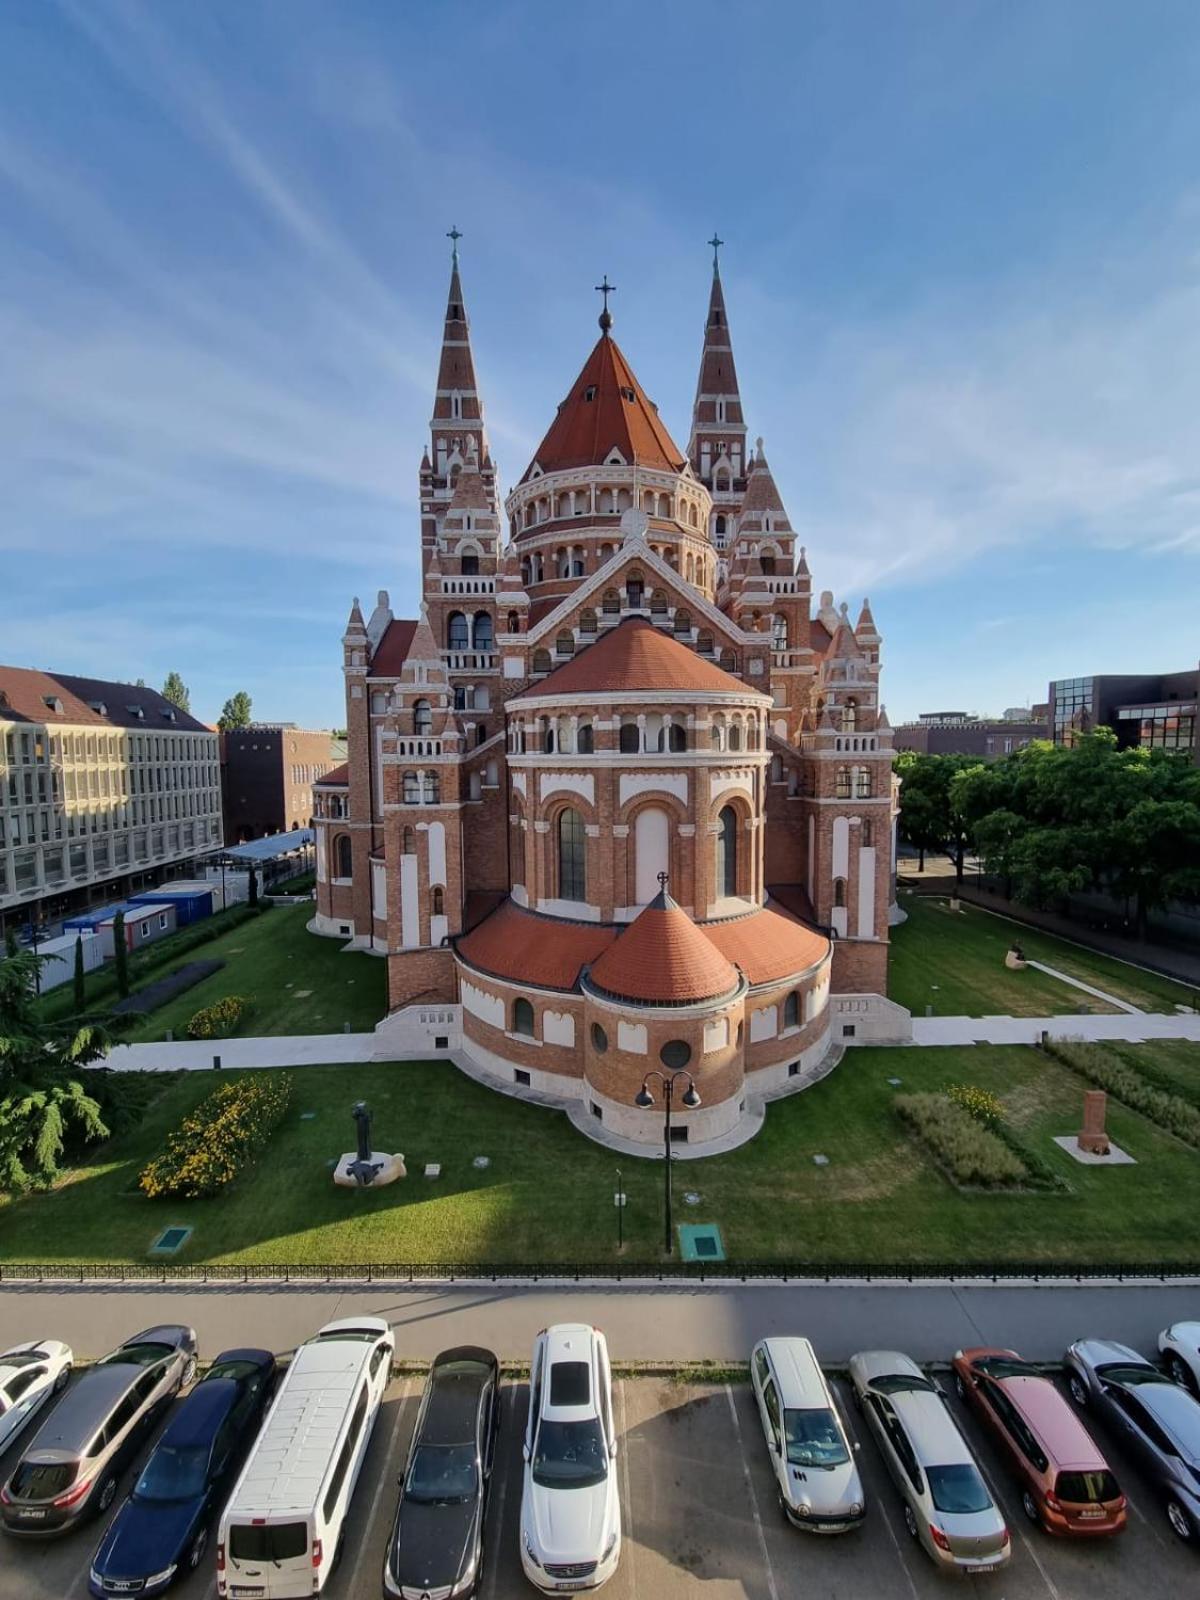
570, 1509
1179, 1346
29, 1375
816, 1479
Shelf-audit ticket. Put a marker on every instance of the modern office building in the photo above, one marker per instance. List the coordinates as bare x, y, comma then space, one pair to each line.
102, 786
267, 774
1153, 711
964, 733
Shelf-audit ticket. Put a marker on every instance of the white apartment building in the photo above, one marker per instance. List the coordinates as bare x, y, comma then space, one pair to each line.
101, 784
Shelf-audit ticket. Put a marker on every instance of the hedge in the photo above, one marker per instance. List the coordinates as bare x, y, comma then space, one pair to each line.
988, 1109
217, 1141
220, 1019
969, 1152
1129, 1085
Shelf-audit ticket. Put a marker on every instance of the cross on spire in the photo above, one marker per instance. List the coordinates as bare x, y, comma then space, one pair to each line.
454, 236
605, 288
663, 879
716, 245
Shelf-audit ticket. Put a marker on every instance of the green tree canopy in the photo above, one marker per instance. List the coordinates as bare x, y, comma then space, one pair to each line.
931, 817
235, 713
176, 691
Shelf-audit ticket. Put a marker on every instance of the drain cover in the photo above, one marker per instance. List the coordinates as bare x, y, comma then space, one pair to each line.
170, 1240
701, 1241
482, 1162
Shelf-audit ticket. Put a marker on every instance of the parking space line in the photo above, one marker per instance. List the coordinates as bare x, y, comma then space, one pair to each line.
847, 1414
627, 1519
749, 1482
495, 1515
385, 1477
1013, 1524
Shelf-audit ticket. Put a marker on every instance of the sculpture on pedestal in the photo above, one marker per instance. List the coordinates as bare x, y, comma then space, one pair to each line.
365, 1166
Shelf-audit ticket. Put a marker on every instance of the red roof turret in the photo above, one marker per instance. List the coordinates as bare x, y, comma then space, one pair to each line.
663, 958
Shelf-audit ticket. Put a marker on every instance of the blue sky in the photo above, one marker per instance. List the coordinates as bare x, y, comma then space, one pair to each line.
962, 273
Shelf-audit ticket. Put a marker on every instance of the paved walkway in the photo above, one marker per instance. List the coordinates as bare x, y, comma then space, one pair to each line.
1135, 1028
1078, 983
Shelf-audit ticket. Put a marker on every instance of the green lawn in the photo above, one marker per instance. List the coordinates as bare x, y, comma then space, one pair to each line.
299, 983
1177, 1059
547, 1194
954, 962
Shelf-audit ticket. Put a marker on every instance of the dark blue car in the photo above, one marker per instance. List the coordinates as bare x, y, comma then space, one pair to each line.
162, 1529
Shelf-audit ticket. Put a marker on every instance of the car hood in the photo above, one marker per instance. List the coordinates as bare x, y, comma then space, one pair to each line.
431, 1545
144, 1538
826, 1491
569, 1525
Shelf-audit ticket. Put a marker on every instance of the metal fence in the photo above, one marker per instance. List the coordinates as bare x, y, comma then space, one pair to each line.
392, 1272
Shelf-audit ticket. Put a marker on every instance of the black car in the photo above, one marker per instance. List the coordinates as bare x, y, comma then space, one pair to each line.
162, 1529
436, 1543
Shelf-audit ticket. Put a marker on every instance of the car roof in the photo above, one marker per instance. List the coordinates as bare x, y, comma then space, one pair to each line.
260, 1358
930, 1427
453, 1406
1176, 1412
172, 1333
201, 1414
83, 1407
570, 1343
1059, 1430
801, 1384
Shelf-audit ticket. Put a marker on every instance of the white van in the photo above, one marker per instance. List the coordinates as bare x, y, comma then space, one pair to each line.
280, 1534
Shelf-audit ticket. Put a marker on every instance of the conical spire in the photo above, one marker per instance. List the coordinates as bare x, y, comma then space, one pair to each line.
457, 398
355, 626
717, 412
865, 626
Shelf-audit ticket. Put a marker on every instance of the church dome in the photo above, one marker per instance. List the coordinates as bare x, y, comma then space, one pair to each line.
662, 958
635, 656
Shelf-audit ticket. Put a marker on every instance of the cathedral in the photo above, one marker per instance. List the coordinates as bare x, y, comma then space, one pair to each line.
620, 799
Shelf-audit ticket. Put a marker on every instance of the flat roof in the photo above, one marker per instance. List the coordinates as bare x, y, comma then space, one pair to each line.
274, 846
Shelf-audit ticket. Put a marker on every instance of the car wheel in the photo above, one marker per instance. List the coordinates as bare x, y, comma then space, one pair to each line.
199, 1545
189, 1372
960, 1387
64, 1377
108, 1494
1181, 1374
1078, 1389
1030, 1507
910, 1521
1181, 1523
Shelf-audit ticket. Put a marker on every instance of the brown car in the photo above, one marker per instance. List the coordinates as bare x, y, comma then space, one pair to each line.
1066, 1484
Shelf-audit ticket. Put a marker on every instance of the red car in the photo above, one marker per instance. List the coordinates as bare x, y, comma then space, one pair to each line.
1066, 1484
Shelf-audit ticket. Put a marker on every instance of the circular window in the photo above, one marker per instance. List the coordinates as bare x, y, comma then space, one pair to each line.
599, 1039
675, 1053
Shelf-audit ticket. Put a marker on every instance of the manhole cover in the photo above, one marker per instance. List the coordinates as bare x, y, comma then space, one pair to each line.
895, 1082
482, 1162
691, 1198
820, 1161
701, 1241
169, 1241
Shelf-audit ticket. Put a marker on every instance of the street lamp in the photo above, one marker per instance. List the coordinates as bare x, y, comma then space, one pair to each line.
644, 1100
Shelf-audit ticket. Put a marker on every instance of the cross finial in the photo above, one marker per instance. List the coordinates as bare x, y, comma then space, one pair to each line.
663, 880
454, 236
716, 245
605, 288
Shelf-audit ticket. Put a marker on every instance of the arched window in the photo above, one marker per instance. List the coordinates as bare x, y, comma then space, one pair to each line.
564, 644
630, 738
611, 601
433, 789
635, 591
779, 631
572, 847
585, 740
716, 736
865, 837
458, 633
470, 565
719, 527
412, 789
677, 736
439, 903
526, 573
345, 858
587, 620
541, 661
409, 842
548, 739
483, 633
850, 716
651, 852
839, 891
523, 1018
862, 783
768, 565
843, 783
422, 717
704, 644
791, 1010
683, 622
727, 843
514, 622
735, 736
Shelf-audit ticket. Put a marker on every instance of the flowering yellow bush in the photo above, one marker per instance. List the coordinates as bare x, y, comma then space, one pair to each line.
220, 1019
218, 1140
982, 1104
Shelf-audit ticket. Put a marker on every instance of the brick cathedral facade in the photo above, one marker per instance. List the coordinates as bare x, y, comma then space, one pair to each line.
621, 795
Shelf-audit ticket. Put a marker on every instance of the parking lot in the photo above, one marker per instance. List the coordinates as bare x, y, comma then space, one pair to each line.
700, 1518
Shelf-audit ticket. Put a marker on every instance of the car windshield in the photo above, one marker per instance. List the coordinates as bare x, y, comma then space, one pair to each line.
22, 1360
442, 1474
570, 1455
232, 1369
1129, 1375
137, 1355
173, 1474
1006, 1367
814, 1438
901, 1383
35, 1480
958, 1489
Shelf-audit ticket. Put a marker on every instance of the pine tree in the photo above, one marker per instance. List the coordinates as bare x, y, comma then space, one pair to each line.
235, 713
11, 947
121, 954
254, 890
176, 691
80, 991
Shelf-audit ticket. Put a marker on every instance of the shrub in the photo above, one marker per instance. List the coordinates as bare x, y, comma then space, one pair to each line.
969, 1152
217, 1141
220, 1019
982, 1104
1127, 1083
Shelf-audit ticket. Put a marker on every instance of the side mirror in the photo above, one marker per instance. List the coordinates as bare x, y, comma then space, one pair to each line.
524, 1452
612, 1450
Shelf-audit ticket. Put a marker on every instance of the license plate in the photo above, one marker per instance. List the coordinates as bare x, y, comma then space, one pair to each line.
1092, 1511
575, 1583
32, 1516
242, 1588
115, 1586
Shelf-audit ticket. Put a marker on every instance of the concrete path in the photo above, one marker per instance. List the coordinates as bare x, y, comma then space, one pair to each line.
649, 1322
277, 1050
1134, 1029
1078, 983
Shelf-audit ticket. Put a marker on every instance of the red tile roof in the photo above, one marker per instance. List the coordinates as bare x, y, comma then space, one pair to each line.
617, 416
392, 650
636, 655
338, 777
662, 957
768, 945
523, 947
25, 691
23, 696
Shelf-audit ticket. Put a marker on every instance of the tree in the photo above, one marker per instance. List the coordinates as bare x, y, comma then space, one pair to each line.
121, 954
176, 691
253, 887
11, 947
42, 1096
235, 713
80, 995
931, 817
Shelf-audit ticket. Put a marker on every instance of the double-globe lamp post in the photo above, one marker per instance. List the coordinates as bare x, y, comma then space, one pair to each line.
645, 1099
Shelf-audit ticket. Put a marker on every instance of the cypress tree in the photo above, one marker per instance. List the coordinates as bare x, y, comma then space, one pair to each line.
121, 954
80, 993
253, 889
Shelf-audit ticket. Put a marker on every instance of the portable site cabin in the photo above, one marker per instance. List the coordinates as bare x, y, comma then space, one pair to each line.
60, 957
143, 925
208, 886
191, 904
91, 921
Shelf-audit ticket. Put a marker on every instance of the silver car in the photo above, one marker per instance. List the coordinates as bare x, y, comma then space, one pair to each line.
816, 1479
948, 1507
1157, 1419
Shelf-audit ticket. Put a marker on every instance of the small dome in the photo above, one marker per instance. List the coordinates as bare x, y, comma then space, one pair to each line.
662, 958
